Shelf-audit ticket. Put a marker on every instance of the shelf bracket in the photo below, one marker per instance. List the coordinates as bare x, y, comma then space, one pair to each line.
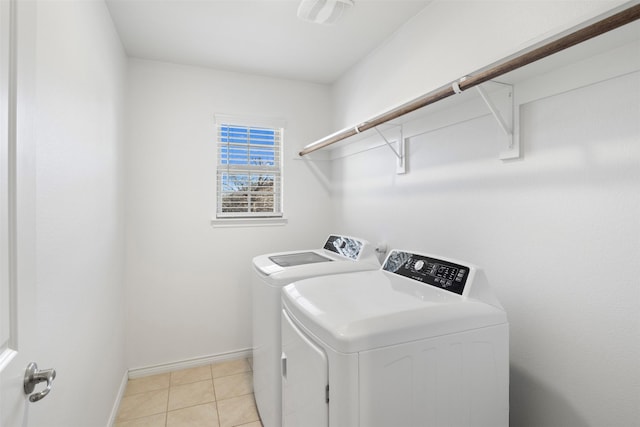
399, 150
508, 124
496, 113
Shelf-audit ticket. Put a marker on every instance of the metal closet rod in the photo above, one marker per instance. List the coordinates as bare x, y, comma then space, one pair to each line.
605, 25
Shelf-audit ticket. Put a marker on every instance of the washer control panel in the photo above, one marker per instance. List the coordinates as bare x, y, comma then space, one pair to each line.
345, 246
435, 272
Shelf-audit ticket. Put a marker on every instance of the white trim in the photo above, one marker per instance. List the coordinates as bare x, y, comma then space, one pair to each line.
229, 222
189, 363
8, 185
251, 121
6, 357
119, 396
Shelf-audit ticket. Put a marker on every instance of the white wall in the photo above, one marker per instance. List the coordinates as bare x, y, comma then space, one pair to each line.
556, 232
188, 284
80, 73
445, 41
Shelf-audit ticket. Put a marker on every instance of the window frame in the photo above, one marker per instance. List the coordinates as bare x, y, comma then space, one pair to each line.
246, 217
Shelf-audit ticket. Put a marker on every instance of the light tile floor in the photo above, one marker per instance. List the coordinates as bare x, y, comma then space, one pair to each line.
218, 395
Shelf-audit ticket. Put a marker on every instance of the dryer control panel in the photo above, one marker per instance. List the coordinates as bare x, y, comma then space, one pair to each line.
435, 272
345, 246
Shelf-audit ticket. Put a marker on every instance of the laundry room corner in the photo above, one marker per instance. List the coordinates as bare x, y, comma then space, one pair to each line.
188, 281
549, 228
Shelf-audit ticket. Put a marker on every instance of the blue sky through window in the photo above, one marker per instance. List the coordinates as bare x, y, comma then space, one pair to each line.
247, 146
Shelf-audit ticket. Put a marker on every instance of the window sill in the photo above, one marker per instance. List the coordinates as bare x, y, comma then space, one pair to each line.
248, 222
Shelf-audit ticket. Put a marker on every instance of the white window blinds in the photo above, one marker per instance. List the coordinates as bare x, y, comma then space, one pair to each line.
249, 170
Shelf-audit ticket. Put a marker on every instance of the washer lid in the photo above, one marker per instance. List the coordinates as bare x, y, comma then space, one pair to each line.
298, 258
366, 310
340, 254
278, 275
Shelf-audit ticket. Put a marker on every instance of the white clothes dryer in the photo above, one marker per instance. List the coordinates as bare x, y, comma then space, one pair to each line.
273, 271
420, 342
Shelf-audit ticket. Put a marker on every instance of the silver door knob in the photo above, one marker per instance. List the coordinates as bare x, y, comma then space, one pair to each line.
33, 376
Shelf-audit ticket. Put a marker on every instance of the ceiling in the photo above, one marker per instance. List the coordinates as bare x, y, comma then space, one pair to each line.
262, 37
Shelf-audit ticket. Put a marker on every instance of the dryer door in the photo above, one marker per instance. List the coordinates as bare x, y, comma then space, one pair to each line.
304, 379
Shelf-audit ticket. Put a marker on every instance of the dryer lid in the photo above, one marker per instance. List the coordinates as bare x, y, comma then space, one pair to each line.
371, 309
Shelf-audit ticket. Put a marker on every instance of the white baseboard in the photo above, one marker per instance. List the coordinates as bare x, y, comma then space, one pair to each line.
116, 404
168, 367
189, 363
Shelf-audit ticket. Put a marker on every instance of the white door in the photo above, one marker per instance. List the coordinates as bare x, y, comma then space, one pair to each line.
17, 210
305, 379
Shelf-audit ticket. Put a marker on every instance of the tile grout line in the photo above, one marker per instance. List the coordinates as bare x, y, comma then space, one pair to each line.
215, 396
166, 414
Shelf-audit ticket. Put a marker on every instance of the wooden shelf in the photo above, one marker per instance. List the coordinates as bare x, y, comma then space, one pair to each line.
598, 36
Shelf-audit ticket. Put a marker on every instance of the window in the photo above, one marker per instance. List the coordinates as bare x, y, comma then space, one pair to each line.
249, 168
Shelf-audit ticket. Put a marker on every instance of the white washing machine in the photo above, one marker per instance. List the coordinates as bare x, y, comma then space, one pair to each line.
420, 342
273, 271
